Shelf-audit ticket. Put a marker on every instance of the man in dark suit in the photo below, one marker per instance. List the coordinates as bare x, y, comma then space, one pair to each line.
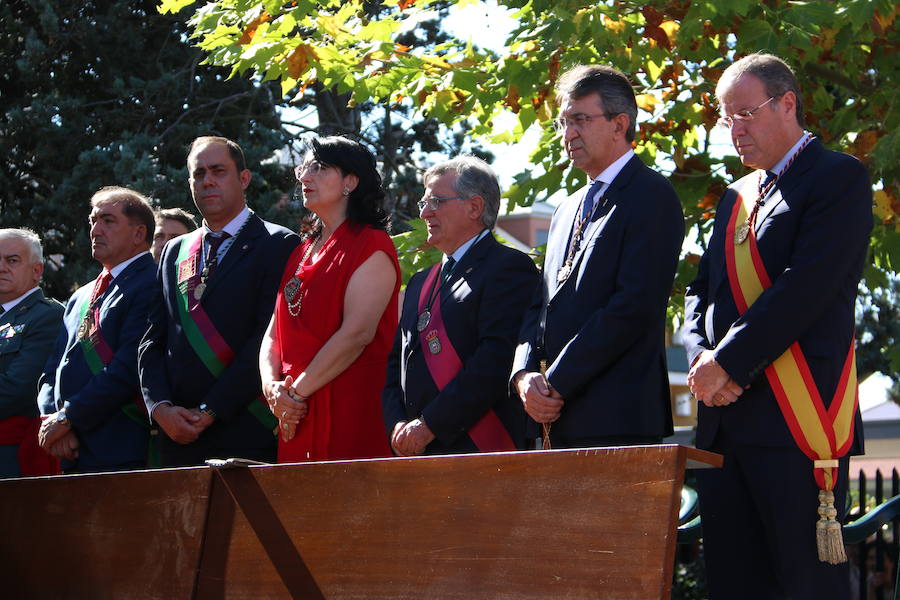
89, 389
215, 295
29, 323
598, 322
769, 331
446, 388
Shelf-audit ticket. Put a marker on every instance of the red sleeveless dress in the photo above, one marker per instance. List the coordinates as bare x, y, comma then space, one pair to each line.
344, 419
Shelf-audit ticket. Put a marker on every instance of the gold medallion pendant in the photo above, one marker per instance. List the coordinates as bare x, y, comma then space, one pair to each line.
423, 321
564, 272
198, 291
740, 235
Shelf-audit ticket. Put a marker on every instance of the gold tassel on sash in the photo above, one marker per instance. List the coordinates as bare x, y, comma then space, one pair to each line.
829, 537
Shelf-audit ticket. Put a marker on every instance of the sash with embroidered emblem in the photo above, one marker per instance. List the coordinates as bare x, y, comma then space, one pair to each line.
98, 354
488, 433
201, 333
823, 434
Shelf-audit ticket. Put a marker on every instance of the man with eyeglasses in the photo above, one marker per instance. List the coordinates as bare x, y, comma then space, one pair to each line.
591, 365
216, 292
446, 386
769, 330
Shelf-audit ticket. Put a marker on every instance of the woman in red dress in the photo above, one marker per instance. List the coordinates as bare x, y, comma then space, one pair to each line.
324, 356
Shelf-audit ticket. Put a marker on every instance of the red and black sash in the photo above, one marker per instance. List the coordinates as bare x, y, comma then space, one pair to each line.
488, 433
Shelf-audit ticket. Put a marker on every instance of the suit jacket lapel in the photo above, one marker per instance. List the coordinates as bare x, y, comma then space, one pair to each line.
556, 255
790, 180
612, 195
469, 262
242, 245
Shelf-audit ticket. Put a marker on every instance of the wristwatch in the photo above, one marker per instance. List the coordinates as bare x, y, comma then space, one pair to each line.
206, 410
61, 418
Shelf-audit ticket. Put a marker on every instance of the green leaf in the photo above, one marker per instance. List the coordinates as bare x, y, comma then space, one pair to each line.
173, 6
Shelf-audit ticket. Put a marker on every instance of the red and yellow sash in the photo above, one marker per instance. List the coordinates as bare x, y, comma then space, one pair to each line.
823, 434
488, 433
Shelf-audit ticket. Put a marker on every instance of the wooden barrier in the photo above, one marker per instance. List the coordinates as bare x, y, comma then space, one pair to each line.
594, 523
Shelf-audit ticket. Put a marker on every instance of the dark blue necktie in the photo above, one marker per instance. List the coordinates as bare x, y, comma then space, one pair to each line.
447, 269
587, 204
764, 182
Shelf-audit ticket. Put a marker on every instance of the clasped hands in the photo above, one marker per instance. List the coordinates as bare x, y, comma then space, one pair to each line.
410, 438
57, 440
182, 425
710, 383
284, 403
542, 403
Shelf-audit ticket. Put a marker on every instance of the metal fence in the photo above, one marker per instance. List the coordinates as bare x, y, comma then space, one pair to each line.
872, 539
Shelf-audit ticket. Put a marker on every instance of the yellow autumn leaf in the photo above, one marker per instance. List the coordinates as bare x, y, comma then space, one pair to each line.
671, 29
883, 206
646, 102
613, 26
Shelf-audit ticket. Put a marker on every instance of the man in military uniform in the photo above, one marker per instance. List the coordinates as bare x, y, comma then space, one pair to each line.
29, 323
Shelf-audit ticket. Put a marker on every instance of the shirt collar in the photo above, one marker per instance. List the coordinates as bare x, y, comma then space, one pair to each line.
460, 252
610, 172
233, 225
116, 270
784, 159
8, 306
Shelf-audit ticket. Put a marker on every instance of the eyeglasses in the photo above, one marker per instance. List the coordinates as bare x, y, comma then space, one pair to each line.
741, 115
434, 202
314, 167
578, 120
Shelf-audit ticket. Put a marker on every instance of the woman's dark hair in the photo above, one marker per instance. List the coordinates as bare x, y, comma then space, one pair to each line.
365, 204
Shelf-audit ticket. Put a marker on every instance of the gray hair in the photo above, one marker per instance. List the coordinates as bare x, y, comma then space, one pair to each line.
775, 75
474, 177
616, 93
30, 238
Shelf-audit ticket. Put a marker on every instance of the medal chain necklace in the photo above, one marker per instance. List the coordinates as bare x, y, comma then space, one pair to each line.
292, 295
566, 269
213, 258
425, 316
742, 232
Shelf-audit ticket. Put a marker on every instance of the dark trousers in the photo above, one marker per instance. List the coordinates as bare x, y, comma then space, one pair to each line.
759, 514
9, 460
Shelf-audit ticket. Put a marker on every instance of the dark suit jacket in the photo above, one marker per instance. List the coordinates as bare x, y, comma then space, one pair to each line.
482, 306
27, 333
107, 437
813, 236
602, 331
239, 301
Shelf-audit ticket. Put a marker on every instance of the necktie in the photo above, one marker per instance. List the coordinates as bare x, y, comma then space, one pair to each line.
2, 310
447, 269
214, 241
100, 285
765, 181
587, 204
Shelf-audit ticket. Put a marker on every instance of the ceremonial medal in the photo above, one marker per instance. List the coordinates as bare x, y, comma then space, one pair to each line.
564, 272
291, 288
423, 321
740, 236
84, 329
198, 291
434, 342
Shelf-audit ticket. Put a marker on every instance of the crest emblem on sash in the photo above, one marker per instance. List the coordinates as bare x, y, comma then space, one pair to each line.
187, 268
434, 341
